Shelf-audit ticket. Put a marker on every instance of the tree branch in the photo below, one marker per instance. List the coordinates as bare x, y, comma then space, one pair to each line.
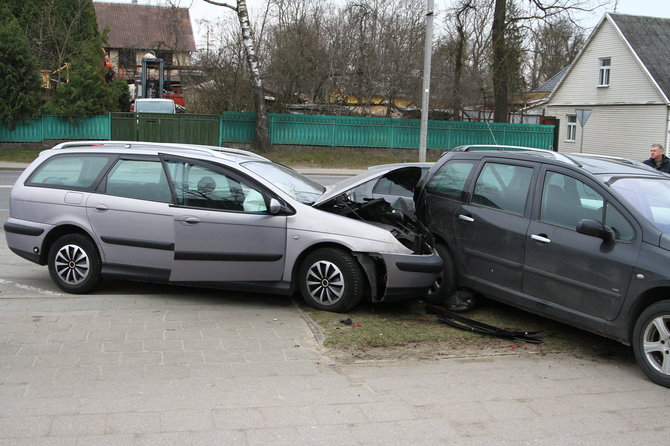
234, 8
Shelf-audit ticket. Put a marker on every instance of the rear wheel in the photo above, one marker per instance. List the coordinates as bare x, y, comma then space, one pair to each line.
331, 279
651, 342
74, 263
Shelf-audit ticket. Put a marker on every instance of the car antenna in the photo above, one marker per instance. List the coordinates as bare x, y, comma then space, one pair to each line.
492, 135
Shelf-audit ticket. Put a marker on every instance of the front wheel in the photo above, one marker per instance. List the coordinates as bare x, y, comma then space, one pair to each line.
651, 342
445, 285
74, 264
331, 279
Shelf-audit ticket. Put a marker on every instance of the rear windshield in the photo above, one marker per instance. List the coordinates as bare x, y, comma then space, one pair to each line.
154, 106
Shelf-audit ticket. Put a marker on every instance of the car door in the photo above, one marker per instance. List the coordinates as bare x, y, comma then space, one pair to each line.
490, 229
223, 230
131, 216
578, 272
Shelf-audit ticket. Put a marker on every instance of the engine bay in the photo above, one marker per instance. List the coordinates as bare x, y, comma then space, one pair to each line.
379, 212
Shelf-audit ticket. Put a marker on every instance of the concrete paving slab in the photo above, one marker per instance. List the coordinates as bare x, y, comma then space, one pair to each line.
142, 364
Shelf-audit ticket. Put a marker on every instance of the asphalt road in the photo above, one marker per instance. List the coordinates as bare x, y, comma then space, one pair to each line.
7, 179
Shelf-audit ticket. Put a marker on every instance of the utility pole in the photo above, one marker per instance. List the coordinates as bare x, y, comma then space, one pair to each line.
425, 97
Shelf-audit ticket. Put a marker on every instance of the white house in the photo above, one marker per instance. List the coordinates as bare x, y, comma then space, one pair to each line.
622, 76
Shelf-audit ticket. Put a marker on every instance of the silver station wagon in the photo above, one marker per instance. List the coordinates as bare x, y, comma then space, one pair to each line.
211, 216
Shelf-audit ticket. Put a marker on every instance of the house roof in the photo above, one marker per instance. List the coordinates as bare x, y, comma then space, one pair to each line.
549, 85
649, 37
145, 27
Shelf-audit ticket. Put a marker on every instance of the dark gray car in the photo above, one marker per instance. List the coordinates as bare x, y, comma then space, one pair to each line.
579, 239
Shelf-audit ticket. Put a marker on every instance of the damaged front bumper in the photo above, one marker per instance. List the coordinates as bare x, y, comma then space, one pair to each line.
396, 277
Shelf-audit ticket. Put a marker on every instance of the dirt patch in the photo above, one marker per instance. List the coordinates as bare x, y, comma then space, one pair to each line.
404, 331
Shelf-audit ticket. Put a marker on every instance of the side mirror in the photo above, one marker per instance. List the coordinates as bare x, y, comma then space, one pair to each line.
275, 206
595, 229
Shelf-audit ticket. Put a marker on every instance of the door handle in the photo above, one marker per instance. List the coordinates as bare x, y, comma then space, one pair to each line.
542, 238
465, 218
101, 207
191, 220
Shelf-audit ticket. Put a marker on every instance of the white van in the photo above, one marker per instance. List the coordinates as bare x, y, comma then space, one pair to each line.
148, 105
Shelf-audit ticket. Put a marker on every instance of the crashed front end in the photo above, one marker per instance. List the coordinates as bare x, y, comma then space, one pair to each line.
393, 276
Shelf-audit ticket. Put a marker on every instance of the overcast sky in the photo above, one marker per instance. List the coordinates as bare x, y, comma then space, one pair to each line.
199, 9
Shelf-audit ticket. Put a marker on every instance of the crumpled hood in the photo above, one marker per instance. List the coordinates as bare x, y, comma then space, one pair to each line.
407, 177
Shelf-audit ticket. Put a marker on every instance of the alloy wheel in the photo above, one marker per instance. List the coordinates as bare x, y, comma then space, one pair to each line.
325, 282
72, 264
656, 343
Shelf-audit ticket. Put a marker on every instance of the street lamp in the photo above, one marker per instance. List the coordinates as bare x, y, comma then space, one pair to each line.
425, 97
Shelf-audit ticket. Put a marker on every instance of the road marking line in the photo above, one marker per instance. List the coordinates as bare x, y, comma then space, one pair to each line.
30, 288
9, 187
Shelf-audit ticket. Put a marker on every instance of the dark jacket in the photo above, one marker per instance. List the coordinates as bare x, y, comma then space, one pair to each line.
663, 167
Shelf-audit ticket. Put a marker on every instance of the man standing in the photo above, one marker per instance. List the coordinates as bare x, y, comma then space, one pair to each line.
658, 159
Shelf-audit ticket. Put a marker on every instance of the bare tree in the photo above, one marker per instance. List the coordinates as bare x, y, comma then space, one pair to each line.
262, 133
555, 45
380, 50
296, 50
526, 12
227, 85
461, 58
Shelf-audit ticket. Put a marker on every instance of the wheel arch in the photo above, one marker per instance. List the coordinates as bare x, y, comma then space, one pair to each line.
644, 301
57, 233
371, 274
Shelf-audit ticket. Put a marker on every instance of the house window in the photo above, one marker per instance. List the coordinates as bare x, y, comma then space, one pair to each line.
572, 128
127, 57
605, 64
165, 55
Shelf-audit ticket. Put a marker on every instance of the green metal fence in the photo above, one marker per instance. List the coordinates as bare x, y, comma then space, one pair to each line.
349, 131
162, 127
53, 127
310, 130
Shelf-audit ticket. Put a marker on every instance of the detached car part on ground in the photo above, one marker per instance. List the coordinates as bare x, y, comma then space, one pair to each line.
211, 216
581, 239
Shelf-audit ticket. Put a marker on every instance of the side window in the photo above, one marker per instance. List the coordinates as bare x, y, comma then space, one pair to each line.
73, 172
387, 187
450, 180
566, 200
202, 187
503, 186
622, 229
140, 179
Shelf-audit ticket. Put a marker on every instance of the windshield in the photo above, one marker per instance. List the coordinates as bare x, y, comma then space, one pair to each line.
299, 187
649, 196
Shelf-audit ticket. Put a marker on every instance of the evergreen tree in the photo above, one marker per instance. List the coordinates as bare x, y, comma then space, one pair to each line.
56, 29
19, 79
85, 93
120, 96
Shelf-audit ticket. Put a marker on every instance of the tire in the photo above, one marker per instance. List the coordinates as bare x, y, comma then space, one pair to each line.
651, 342
445, 285
74, 264
331, 279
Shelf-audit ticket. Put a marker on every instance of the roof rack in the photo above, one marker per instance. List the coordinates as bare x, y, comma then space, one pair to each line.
475, 147
157, 145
